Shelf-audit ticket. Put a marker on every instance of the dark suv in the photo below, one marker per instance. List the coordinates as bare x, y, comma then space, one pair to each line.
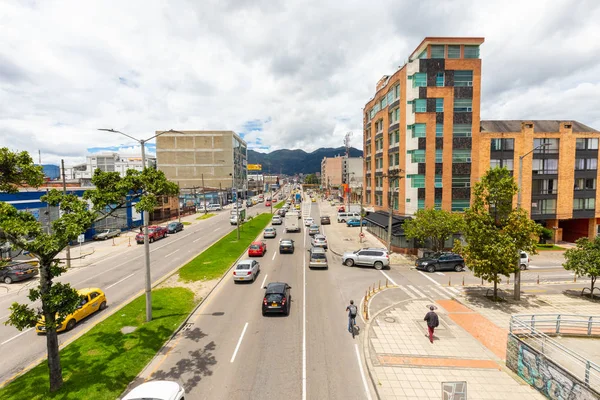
325, 220
277, 298
441, 262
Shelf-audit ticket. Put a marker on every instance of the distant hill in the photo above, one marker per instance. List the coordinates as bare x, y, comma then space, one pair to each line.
291, 162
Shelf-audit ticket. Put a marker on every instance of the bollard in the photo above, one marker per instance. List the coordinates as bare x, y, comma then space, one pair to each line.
129, 245
449, 281
538, 280
508, 281
113, 241
386, 282
463, 281
575, 278
379, 285
481, 281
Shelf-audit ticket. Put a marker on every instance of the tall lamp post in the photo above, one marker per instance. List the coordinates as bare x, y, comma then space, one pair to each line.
517, 284
237, 212
392, 176
146, 217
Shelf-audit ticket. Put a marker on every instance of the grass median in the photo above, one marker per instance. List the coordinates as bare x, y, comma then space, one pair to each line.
206, 216
214, 261
279, 205
101, 363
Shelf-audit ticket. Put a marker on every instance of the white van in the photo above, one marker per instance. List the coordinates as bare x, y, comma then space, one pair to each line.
524, 260
214, 207
345, 216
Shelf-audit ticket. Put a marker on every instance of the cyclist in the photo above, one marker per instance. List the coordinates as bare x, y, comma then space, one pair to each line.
352, 311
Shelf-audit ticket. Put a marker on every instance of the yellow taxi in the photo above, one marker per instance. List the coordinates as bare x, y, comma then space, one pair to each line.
92, 300
314, 200
297, 206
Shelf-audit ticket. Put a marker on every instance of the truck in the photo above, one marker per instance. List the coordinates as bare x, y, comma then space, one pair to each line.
292, 223
298, 197
354, 208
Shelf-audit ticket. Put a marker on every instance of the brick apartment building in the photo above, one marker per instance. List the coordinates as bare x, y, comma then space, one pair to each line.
425, 121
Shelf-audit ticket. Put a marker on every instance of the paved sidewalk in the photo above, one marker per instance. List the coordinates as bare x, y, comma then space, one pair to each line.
467, 348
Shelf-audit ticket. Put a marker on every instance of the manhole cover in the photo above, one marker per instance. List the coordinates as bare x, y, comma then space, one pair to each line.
389, 320
128, 329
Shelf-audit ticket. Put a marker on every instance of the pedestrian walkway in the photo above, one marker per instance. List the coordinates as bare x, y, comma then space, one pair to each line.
467, 348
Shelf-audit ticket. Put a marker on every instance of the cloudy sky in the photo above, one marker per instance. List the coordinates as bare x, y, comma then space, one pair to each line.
284, 74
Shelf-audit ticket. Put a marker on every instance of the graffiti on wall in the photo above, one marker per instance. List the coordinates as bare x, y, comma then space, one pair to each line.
543, 374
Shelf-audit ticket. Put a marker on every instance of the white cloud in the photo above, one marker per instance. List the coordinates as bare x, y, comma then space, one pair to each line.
304, 68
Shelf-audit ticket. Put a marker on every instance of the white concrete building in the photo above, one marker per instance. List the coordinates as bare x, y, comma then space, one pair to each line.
108, 162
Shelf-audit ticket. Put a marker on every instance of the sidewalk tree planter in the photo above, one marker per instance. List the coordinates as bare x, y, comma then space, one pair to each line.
435, 225
494, 230
22, 230
584, 260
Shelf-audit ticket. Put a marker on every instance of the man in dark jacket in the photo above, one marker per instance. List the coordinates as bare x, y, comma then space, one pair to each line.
432, 322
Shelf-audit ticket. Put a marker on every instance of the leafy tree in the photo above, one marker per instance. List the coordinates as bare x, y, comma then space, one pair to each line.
22, 230
311, 179
585, 259
436, 225
17, 169
545, 234
495, 232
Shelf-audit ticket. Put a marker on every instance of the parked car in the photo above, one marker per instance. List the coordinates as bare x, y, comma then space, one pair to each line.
200, 208
267, 203
249, 203
174, 227
17, 271
341, 209
276, 220
92, 300
286, 246
277, 298
246, 270
107, 234
325, 220
319, 241
524, 260
318, 258
355, 222
345, 216
313, 229
214, 207
269, 233
233, 220
369, 256
157, 390
441, 262
155, 232
257, 248
308, 221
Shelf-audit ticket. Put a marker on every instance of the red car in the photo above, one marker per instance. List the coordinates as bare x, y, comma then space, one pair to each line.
267, 203
341, 209
155, 232
258, 248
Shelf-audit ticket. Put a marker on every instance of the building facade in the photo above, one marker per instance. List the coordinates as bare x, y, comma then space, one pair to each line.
331, 172
107, 162
203, 159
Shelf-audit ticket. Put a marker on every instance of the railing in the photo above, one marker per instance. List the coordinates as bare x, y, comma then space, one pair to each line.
529, 328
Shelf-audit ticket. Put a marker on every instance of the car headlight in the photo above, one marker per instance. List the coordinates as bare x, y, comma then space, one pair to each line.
424, 263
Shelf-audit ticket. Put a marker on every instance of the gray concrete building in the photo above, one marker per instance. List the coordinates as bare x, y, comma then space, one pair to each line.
220, 157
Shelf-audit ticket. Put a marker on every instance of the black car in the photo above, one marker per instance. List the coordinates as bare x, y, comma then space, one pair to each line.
17, 272
286, 246
281, 212
441, 262
325, 220
249, 203
174, 227
277, 298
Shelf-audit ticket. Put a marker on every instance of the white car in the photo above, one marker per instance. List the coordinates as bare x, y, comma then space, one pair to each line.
246, 270
308, 221
276, 220
214, 207
233, 220
157, 390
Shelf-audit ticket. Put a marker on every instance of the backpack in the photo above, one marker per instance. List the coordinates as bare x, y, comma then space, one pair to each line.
353, 310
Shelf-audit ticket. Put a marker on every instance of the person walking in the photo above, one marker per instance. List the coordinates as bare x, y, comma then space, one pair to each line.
432, 322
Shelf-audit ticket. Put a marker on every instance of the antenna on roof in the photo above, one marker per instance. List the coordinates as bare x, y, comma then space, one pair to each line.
347, 143
40, 156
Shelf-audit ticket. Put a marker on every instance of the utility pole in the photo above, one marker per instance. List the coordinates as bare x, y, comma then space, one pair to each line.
204, 194
178, 205
361, 213
393, 176
64, 182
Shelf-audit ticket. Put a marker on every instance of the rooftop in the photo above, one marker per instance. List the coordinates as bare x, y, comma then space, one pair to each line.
445, 40
538, 126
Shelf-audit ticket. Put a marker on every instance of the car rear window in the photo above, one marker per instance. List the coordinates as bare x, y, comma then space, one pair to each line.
317, 256
243, 266
274, 297
255, 247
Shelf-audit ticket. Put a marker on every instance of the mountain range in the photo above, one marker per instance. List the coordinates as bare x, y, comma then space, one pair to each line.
291, 162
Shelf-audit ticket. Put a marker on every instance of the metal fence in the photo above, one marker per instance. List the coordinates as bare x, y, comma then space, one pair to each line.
534, 330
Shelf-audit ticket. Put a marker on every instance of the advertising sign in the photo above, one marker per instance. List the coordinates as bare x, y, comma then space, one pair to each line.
254, 167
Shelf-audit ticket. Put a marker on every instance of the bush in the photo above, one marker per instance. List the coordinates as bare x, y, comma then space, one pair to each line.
545, 235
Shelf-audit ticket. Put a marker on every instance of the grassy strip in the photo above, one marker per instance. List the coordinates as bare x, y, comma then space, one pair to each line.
186, 223
279, 205
554, 247
206, 216
215, 260
101, 363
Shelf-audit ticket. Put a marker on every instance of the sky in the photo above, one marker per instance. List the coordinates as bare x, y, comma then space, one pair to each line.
284, 74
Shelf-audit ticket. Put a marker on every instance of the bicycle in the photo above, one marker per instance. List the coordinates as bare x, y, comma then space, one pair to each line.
353, 326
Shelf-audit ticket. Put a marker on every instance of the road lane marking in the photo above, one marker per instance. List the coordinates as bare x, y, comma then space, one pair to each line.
107, 270
116, 283
304, 329
362, 373
274, 254
431, 279
263, 284
453, 289
389, 279
440, 273
408, 292
214, 230
439, 293
239, 343
200, 238
14, 337
6, 316
411, 287
171, 253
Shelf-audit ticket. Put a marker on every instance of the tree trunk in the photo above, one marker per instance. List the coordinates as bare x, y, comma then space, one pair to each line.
54, 367
592, 282
495, 288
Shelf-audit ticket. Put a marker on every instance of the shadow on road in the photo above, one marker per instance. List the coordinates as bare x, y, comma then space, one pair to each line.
477, 296
576, 294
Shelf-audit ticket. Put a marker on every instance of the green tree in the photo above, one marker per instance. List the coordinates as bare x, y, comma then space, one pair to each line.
494, 231
17, 169
584, 260
311, 179
435, 225
24, 231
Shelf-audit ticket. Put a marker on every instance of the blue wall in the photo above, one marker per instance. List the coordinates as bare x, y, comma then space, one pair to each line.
51, 171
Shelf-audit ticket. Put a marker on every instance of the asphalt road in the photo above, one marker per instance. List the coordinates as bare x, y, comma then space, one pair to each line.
121, 276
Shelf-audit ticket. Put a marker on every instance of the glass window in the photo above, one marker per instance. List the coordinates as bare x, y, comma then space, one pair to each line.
420, 105
460, 205
461, 181
421, 204
437, 204
420, 79
461, 130
584, 204
471, 51
495, 163
383, 103
590, 183
544, 166
439, 105
439, 79
543, 206
463, 78
418, 130
439, 130
591, 163
423, 54
390, 96
502, 144
439, 153
395, 116
461, 155
371, 114
417, 181
396, 92
397, 136
396, 158
544, 186
463, 105
551, 146
417, 156
453, 51
579, 164
437, 51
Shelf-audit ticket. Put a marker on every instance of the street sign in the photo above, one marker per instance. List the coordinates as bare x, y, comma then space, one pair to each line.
81, 238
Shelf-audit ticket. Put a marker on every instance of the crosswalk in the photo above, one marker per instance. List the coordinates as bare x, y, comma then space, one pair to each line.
430, 292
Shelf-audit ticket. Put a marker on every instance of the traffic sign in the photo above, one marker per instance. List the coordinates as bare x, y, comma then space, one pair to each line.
81, 238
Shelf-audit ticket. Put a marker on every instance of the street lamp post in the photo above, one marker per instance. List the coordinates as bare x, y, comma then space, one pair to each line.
393, 176
146, 217
517, 284
237, 210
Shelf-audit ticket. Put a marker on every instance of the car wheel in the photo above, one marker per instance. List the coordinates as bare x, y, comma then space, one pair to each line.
8, 280
102, 305
287, 310
523, 267
349, 262
458, 268
378, 265
264, 314
430, 269
71, 324
151, 240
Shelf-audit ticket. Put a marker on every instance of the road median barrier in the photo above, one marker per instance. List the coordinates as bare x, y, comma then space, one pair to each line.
370, 292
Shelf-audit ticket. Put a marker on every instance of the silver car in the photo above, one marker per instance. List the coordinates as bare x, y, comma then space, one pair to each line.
318, 258
107, 234
313, 229
270, 233
246, 270
370, 256
319, 241
276, 220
